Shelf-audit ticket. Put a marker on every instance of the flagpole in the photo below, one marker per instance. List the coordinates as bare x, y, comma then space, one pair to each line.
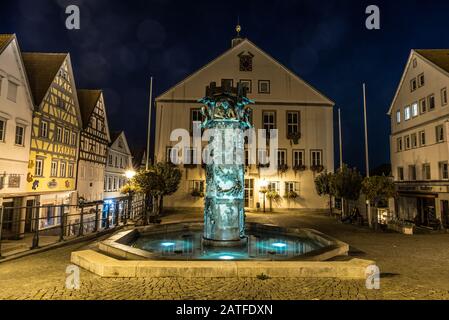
370, 222
340, 138
147, 162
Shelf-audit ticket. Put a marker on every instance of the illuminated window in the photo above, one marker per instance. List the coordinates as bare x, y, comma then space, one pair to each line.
407, 113
398, 116
415, 110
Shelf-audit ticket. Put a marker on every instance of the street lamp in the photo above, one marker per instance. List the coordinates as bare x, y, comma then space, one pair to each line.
130, 174
263, 188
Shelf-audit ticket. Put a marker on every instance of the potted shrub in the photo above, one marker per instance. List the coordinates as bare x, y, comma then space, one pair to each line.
197, 194
283, 168
300, 168
317, 169
294, 137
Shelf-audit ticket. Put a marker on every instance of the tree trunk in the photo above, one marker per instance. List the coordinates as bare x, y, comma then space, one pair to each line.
330, 205
161, 205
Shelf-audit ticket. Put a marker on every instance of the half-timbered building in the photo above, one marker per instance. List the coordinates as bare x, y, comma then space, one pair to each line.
94, 141
55, 132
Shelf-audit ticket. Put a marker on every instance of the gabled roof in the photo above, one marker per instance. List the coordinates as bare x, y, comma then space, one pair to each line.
5, 39
115, 135
438, 58
88, 100
237, 48
42, 69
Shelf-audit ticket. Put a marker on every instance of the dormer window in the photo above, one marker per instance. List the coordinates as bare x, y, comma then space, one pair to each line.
246, 62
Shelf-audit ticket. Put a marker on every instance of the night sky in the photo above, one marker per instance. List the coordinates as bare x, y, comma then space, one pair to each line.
122, 43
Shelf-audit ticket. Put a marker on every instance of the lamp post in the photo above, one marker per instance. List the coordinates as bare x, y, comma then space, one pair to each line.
129, 174
263, 188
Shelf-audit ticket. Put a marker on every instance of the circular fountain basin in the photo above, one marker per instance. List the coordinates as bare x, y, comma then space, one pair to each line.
184, 242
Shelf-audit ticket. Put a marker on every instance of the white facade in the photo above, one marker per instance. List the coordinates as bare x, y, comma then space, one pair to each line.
16, 111
119, 160
278, 94
419, 143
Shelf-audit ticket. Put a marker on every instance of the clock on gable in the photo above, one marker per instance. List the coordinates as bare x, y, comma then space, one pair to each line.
246, 61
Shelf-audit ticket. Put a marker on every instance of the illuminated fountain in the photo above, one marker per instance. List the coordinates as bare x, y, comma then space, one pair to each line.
226, 115
224, 235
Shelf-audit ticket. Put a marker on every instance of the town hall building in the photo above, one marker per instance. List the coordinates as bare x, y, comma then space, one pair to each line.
283, 101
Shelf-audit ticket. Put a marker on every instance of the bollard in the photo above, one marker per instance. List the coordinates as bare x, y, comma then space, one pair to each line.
96, 218
1, 228
117, 213
35, 244
81, 230
61, 214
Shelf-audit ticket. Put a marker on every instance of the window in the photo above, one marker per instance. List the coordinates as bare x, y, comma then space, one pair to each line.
196, 185
54, 169
298, 158
443, 96
401, 174
399, 144
227, 83
246, 62
39, 169
190, 156
110, 160
73, 139
413, 84
444, 170
58, 134
292, 123
44, 129
421, 80
264, 86
439, 131
66, 136
398, 116
172, 155
70, 170
116, 161
12, 91
414, 138
415, 63
2, 130
423, 105
263, 157
247, 84
20, 135
195, 116
282, 157
291, 186
121, 162
274, 186
415, 111
431, 102
316, 158
422, 138
426, 171
269, 121
412, 173
407, 113
62, 170
407, 142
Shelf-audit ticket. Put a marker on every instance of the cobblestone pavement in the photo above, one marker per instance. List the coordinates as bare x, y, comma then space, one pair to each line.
412, 268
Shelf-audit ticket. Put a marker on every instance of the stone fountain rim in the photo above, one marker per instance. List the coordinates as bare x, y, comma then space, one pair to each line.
117, 245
